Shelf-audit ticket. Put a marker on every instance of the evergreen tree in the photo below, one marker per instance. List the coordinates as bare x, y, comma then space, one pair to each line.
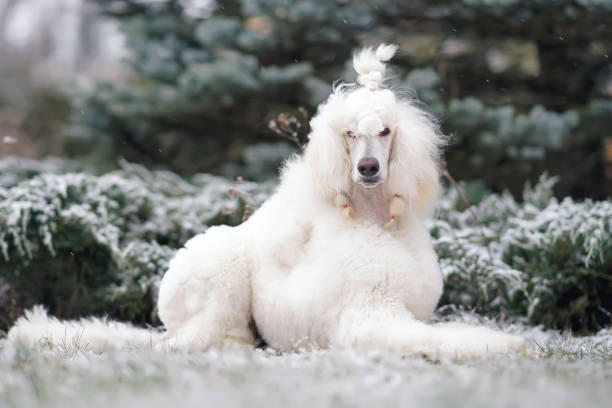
521, 86
206, 87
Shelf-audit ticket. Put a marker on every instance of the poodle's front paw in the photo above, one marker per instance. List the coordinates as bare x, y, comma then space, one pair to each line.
181, 343
468, 342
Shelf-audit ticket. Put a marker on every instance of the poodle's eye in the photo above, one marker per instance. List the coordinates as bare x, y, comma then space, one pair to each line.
384, 132
350, 134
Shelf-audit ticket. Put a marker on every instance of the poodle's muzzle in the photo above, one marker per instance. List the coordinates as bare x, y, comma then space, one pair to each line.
369, 168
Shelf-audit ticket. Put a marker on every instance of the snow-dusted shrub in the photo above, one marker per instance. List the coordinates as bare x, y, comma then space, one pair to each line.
545, 259
15, 169
83, 244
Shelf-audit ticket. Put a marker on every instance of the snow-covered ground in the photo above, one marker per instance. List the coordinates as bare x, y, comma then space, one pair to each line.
564, 371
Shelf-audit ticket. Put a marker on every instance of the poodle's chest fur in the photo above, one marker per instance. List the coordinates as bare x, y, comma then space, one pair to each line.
370, 204
362, 266
318, 264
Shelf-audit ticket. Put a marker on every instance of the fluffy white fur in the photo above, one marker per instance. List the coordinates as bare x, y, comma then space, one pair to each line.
306, 270
38, 329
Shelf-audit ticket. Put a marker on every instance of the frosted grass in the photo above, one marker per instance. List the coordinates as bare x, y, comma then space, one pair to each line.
563, 371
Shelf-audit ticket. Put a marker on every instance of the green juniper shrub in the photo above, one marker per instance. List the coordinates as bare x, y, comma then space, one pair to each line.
84, 244
545, 259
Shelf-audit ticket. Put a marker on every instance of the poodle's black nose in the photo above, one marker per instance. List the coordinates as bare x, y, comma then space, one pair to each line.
368, 167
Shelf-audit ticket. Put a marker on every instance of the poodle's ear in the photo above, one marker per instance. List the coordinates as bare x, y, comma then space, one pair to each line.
414, 163
327, 157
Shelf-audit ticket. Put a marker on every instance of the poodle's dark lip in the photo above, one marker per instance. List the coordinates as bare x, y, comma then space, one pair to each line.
369, 182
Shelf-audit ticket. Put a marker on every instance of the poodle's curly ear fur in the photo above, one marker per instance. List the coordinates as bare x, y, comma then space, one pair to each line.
327, 157
414, 162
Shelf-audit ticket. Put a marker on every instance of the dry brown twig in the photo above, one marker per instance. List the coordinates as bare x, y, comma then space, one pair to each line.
288, 126
452, 181
235, 192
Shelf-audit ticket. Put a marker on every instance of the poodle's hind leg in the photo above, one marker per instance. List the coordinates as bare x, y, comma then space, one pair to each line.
400, 332
205, 296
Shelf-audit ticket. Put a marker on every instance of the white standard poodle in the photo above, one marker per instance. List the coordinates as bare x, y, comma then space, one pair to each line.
337, 258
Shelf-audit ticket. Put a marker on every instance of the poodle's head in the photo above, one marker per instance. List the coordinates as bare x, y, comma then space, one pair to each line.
367, 135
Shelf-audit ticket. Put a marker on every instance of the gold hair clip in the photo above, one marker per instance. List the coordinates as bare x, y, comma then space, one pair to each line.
341, 201
396, 208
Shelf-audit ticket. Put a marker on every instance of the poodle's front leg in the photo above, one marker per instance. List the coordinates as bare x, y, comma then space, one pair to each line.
205, 296
400, 332
204, 330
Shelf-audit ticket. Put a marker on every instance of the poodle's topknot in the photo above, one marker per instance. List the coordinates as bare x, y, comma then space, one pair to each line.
370, 65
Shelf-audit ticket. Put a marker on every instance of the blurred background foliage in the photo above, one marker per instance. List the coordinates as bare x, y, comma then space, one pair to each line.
521, 86
184, 87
